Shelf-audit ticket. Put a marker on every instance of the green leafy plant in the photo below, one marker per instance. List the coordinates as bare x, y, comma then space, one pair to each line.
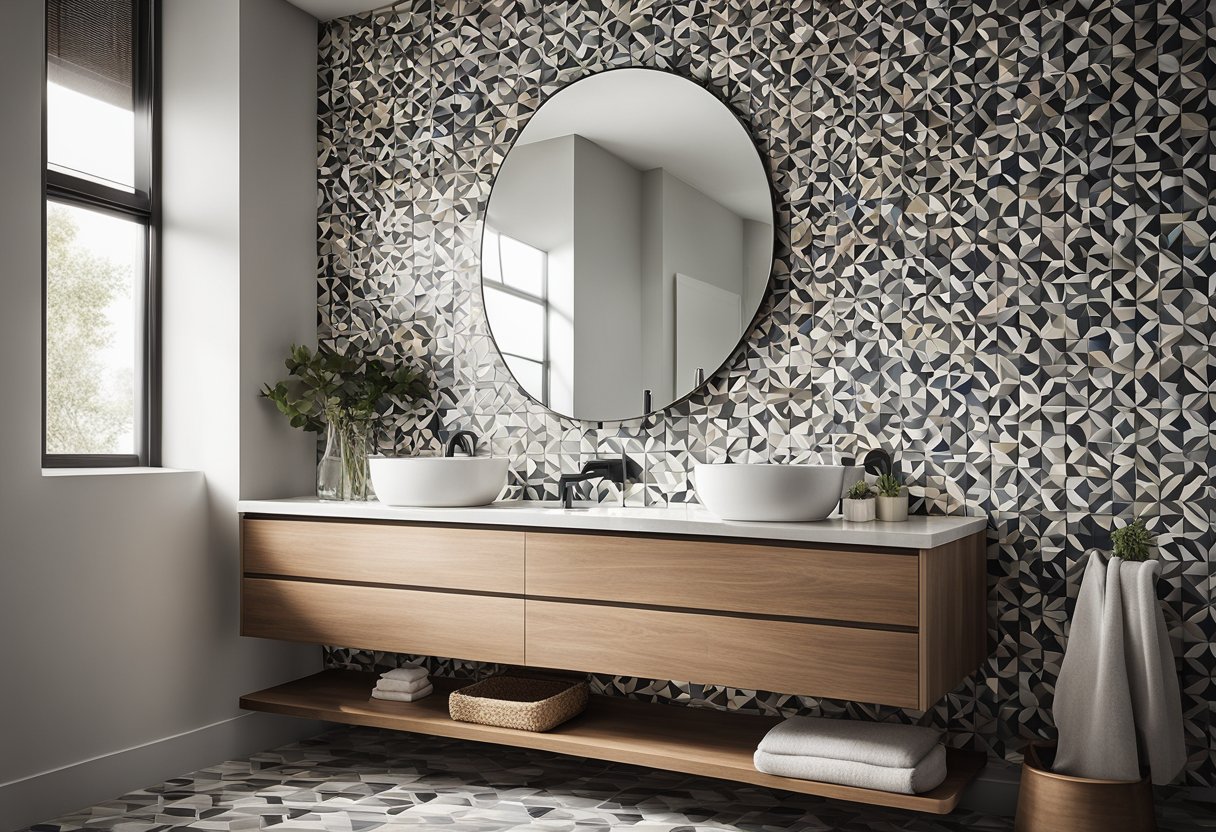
889, 485
342, 394
1133, 541
860, 490
326, 386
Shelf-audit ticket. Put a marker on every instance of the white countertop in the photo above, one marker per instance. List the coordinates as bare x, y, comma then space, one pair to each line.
916, 533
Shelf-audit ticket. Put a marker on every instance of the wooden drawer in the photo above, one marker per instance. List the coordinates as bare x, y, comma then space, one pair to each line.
474, 559
863, 665
476, 627
733, 577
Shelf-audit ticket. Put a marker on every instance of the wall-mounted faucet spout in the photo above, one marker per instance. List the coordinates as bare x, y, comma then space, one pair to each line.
466, 440
878, 462
619, 471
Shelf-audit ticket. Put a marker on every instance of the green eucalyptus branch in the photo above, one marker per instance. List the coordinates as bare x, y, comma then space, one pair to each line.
326, 385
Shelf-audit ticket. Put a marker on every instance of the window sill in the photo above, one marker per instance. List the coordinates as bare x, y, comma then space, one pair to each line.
111, 472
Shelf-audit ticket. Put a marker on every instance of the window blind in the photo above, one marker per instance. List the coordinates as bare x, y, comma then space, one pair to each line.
89, 48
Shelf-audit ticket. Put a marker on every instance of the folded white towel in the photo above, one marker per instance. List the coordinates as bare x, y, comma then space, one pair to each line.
407, 673
925, 776
871, 743
403, 687
398, 696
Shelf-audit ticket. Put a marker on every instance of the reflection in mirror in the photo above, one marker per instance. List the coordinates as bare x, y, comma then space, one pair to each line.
514, 285
627, 245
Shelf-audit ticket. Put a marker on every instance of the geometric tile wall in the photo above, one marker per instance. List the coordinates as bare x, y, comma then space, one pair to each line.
995, 257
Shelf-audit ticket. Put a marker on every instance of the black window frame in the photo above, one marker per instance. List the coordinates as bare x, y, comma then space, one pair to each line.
141, 206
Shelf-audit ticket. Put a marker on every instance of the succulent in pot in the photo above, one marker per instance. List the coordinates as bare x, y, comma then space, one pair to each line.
859, 502
892, 499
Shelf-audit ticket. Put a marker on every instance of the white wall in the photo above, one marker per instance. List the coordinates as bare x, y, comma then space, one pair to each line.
757, 265
118, 592
700, 238
607, 284
278, 235
534, 194
561, 327
658, 328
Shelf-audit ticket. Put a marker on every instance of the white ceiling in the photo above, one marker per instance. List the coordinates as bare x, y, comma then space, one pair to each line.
654, 119
329, 9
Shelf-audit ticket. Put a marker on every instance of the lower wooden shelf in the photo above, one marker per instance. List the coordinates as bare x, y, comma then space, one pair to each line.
691, 740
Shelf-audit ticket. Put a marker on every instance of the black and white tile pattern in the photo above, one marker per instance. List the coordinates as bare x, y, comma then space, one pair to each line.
995, 256
365, 780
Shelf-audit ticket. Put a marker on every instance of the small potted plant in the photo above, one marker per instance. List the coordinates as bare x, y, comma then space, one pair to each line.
892, 499
340, 395
859, 503
1132, 542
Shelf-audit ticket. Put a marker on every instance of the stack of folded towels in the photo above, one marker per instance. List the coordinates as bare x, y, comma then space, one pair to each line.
403, 684
908, 759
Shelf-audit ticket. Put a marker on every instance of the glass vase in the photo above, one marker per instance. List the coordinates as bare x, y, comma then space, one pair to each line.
329, 467
342, 472
354, 439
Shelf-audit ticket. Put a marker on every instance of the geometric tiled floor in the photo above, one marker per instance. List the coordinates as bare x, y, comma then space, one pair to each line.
363, 779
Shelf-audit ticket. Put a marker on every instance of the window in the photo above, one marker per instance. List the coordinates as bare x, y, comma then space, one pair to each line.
515, 286
99, 289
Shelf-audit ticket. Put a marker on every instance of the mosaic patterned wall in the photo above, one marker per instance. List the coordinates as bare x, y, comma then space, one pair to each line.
995, 257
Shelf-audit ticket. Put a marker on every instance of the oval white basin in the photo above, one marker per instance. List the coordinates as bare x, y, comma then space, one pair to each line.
438, 482
771, 493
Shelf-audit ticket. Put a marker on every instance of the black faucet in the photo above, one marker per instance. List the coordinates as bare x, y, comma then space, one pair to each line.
618, 471
465, 439
878, 462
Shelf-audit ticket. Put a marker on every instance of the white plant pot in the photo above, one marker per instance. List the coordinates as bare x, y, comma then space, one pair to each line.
892, 509
859, 511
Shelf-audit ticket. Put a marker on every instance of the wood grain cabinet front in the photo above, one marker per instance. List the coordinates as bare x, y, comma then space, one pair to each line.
842, 585
476, 627
487, 560
896, 627
867, 665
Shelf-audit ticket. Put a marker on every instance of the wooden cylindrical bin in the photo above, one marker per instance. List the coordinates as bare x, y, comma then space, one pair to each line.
1051, 802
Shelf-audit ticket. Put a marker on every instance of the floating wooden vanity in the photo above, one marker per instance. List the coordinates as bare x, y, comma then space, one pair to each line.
888, 614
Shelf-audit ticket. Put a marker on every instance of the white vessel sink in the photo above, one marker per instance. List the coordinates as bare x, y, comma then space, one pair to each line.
438, 482
773, 493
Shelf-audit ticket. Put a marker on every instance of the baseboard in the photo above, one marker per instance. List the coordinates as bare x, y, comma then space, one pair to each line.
49, 794
995, 791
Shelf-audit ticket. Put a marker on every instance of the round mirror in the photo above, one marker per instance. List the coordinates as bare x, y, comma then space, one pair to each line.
628, 243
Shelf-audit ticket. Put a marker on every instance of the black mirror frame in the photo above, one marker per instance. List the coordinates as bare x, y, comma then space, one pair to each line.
768, 286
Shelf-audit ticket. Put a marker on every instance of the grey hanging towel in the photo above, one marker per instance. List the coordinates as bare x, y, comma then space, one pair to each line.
1117, 702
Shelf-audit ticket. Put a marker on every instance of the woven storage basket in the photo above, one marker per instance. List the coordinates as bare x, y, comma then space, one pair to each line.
516, 702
